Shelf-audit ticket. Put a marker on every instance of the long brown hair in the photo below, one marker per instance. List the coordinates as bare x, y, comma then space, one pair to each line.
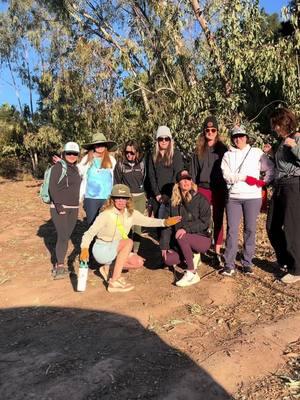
106, 162
284, 118
109, 204
167, 158
177, 197
201, 144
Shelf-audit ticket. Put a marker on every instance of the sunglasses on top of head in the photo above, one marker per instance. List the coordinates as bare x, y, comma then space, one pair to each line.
212, 130
164, 139
130, 153
71, 153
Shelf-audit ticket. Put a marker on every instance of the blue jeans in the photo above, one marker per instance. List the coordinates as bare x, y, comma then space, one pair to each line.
92, 208
235, 209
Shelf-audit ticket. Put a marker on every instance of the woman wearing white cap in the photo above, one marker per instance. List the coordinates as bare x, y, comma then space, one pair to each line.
64, 186
164, 164
246, 170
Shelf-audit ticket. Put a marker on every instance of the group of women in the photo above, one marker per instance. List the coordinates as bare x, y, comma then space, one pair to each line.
217, 178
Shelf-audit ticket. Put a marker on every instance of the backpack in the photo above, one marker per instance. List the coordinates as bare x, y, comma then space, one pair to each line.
44, 190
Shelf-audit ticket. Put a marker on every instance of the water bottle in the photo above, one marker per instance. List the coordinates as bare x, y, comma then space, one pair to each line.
82, 276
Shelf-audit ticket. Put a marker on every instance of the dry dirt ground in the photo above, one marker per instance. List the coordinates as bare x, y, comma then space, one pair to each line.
225, 338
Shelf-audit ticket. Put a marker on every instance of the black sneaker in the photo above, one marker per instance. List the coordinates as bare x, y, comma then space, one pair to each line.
228, 271
218, 260
59, 273
248, 270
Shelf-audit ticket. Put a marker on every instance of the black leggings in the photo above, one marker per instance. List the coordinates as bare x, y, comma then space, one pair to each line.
283, 224
64, 225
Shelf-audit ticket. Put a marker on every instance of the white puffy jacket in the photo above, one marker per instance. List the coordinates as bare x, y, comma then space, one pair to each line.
254, 163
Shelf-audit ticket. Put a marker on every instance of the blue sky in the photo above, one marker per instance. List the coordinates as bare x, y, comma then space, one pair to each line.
7, 92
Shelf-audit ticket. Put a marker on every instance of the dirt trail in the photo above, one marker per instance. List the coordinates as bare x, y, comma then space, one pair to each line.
157, 342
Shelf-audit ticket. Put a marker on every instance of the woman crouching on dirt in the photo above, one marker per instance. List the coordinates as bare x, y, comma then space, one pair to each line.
112, 244
191, 235
64, 186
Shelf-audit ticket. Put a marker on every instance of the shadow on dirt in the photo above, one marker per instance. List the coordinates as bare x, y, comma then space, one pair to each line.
48, 233
268, 266
68, 353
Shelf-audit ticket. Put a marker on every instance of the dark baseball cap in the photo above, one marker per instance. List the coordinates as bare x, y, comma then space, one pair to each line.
183, 174
210, 122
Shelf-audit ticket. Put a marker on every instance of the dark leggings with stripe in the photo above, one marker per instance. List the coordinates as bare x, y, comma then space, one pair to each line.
64, 225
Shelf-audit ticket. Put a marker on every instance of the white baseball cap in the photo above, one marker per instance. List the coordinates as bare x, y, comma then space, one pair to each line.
71, 146
239, 130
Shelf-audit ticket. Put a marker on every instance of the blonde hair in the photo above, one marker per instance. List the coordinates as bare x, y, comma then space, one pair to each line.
106, 161
167, 158
109, 204
177, 197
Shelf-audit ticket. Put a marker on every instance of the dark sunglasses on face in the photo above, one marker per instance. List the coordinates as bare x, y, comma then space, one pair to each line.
99, 145
212, 130
163, 139
71, 153
130, 153
121, 198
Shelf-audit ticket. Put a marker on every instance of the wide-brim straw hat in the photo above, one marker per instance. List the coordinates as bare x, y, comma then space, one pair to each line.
99, 138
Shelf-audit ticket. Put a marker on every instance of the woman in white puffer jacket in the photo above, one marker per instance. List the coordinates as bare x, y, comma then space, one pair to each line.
246, 170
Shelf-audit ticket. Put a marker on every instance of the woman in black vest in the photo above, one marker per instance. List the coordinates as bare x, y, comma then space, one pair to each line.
206, 172
130, 171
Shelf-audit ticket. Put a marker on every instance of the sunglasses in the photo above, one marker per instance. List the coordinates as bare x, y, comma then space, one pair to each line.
239, 136
187, 178
100, 145
120, 198
163, 139
212, 130
71, 153
130, 153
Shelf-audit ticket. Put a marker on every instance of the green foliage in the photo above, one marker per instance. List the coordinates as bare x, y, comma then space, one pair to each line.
125, 67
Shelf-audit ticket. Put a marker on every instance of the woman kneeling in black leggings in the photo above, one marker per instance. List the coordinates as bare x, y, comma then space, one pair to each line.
191, 235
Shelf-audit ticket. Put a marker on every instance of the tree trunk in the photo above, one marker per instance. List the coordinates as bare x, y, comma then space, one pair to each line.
213, 46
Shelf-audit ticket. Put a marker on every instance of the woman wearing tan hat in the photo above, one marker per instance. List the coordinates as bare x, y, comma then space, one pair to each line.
111, 228
96, 169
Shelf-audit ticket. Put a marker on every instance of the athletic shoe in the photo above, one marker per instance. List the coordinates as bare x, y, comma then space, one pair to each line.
248, 270
59, 273
217, 260
119, 286
197, 260
228, 271
189, 278
289, 278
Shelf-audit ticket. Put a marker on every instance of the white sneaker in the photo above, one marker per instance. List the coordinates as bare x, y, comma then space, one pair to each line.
189, 278
289, 278
197, 260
